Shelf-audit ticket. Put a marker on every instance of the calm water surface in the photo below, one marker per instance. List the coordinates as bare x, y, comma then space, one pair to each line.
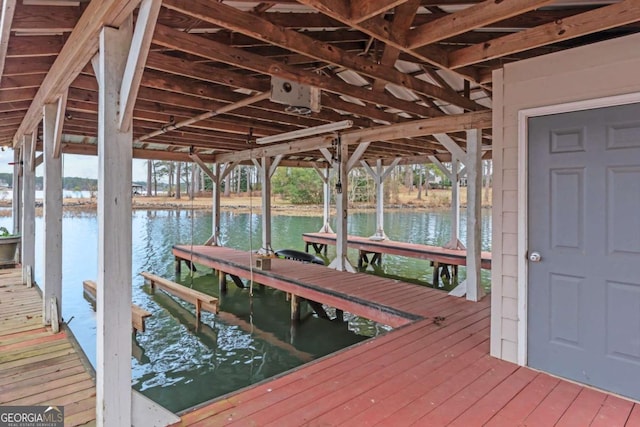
251, 339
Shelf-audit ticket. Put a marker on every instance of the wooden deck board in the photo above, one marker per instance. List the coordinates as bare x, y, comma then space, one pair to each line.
38, 367
428, 372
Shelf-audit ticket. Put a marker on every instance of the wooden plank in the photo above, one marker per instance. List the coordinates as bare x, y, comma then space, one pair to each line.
634, 417
583, 409
304, 407
47, 382
33, 351
515, 412
476, 16
197, 298
37, 339
28, 361
54, 394
6, 19
615, 15
613, 413
349, 367
80, 47
385, 400
33, 374
138, 314
555, 404
480, 412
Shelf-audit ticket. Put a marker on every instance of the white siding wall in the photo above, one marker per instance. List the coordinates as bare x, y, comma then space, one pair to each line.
597, 71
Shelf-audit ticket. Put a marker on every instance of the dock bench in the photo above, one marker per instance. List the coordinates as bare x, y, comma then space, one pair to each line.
201, 300
138, 314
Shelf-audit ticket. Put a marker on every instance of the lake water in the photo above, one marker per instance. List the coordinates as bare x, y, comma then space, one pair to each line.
252, 338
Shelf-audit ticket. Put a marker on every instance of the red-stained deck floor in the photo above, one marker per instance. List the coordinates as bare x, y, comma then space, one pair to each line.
432, 372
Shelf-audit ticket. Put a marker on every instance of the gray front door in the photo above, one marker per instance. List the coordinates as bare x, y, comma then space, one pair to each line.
584, 221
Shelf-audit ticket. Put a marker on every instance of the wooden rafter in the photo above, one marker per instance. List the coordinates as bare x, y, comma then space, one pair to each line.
364, 9
6, 19
378, 27
261, 29
138, 51
476, 16
205, 48
79, 49
606, 17
402, 19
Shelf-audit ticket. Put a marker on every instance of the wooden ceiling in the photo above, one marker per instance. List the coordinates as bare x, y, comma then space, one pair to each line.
380, 63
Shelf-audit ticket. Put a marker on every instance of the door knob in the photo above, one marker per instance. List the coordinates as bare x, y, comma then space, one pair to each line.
535, 257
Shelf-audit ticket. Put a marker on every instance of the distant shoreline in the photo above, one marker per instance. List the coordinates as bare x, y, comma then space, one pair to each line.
436, 200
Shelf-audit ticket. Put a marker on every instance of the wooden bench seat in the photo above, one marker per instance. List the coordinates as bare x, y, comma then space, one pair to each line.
138, 314
201, 300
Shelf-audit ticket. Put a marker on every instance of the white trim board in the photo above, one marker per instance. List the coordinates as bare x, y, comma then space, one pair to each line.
523, 120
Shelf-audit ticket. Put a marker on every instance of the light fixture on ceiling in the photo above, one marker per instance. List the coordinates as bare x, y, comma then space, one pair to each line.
296, 134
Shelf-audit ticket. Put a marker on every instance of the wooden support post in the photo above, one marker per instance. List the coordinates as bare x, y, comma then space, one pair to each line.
17, 190
215, 207
52, 216
198, 305
326, 198
295, 308
474, 208
222, 282
379, 176
265, 172
177, 264
113, 352
341, 262
455, 204
28, 228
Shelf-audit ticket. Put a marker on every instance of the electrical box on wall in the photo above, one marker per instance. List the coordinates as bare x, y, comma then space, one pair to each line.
299, 98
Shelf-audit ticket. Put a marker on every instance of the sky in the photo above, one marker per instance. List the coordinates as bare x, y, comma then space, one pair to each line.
76, 166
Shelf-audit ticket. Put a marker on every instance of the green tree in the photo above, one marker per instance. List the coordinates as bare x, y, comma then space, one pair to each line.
298, 185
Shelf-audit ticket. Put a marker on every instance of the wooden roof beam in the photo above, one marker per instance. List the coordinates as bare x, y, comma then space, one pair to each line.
378, 28
261, 29
468, 19
361, 10
625, 12
79, 49
402, 19
215, 51
134, 67
6, 19
444, 124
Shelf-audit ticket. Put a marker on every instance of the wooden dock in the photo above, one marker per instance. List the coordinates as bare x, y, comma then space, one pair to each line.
38, 367
380, 299
436, 370
442, 259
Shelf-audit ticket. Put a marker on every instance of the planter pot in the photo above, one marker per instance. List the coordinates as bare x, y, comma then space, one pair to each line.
8, 246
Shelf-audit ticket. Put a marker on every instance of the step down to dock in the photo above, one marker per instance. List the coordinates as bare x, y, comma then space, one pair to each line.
138, 314
201, 300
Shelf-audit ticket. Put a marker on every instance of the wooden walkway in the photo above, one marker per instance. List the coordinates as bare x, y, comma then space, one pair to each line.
434, 371
38, 367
